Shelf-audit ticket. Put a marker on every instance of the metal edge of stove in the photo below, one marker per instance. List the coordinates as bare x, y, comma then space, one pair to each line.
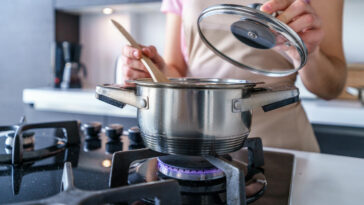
292, 178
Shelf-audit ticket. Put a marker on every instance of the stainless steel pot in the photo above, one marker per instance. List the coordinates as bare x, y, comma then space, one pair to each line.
192, 116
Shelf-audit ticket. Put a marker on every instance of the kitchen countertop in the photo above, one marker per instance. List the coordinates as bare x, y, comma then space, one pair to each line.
321, 179
335, 112
81, 101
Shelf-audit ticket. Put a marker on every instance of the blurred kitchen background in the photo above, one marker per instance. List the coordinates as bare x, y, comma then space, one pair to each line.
32, 45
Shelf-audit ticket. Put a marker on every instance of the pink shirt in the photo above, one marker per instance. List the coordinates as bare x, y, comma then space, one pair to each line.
176, 7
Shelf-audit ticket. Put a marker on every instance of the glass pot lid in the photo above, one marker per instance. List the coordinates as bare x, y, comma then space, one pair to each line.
252, 40
216, 83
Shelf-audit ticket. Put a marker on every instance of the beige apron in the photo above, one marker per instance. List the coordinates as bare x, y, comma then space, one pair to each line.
287, 127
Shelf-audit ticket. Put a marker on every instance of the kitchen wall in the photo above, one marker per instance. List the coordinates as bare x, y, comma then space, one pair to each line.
25, 41
101, 45
102, 42
353, 31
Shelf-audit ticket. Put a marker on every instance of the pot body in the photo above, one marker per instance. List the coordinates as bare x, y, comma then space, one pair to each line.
193, 121
196, 116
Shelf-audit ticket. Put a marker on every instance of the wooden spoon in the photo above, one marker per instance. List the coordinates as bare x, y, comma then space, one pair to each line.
153, 70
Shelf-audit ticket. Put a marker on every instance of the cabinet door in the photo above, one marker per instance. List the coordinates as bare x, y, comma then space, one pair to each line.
340, 140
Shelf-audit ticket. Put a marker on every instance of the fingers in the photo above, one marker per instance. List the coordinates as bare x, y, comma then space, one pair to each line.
276, 5
301, 17
291, 9
297, 8
133, 67
131, 52
312, 38
132, 56
134, 63
305, 22
132, 74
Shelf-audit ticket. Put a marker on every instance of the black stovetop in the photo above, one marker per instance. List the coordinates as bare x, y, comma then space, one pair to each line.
31, 181
41, 179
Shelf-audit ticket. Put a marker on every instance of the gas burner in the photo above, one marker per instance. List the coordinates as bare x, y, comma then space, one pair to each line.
197, 190
188, 168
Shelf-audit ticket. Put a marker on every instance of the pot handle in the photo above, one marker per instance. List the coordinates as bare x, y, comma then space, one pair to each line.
269, 98
118, 96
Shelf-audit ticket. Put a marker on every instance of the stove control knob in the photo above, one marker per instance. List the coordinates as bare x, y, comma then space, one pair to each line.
91, 129
135, 138
134, 135
114, 131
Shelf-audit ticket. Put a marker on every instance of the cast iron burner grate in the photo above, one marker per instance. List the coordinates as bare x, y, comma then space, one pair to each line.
165, 193
19, 155
233, 170
17, 172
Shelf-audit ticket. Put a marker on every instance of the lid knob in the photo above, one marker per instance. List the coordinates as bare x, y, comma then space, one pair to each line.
135, 138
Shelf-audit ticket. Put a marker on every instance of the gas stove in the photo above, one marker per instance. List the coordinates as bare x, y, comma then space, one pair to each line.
47, 163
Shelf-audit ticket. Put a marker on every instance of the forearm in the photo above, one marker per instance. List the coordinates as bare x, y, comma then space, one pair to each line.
323, 75
172, 71
175, 65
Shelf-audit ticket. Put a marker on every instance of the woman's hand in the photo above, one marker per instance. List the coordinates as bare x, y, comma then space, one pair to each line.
133, 68
325, 72
301, 17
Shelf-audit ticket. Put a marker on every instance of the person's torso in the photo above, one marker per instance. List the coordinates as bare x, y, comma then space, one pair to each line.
287, 127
